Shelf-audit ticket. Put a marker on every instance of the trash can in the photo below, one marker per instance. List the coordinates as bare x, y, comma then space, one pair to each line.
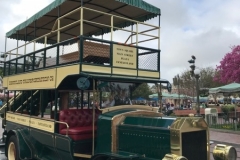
211, 116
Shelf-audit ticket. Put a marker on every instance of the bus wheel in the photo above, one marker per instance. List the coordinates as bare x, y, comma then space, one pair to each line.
101, 157
13, 149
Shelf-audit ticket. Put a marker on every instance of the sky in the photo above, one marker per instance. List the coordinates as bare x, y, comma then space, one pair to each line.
204, 28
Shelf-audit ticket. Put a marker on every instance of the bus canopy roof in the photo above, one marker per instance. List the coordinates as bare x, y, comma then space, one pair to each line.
44, 20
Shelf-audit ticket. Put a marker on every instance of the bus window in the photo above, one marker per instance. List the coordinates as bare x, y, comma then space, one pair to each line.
115, 93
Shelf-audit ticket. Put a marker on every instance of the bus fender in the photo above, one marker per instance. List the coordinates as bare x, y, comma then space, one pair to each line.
25, 151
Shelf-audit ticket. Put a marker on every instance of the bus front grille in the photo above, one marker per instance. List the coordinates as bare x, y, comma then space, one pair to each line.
194, 145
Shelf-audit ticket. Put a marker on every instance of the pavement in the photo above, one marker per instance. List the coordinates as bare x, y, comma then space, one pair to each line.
231, 138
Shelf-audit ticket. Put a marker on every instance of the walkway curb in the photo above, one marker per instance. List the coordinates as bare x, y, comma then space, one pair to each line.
236, 145
224, 131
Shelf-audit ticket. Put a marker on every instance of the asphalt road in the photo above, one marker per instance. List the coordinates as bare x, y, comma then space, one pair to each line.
2, 154
237, 146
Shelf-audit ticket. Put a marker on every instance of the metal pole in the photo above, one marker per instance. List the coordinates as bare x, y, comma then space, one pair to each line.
193, 84
5, 49
4, 72
235, 114
17, 43
197, 86
193, 89
93, 116
159, 31
159, 91
178, 91
160, 97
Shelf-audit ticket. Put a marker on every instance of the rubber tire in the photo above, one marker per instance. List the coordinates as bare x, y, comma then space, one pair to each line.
101, 157
13, 147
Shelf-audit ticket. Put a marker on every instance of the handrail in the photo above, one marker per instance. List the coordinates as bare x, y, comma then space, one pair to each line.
26, 101
140, 33
66, 125
4, 106
56, 28
144, 40
128, 19
10, 101
30, 42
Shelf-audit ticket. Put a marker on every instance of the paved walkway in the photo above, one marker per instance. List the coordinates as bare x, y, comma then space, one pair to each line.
225, 136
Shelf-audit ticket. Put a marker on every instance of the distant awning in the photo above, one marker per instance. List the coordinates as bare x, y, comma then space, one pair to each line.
230, 88
170, 96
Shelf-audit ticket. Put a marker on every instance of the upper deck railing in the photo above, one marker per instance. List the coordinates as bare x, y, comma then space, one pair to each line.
44, 52
89, 51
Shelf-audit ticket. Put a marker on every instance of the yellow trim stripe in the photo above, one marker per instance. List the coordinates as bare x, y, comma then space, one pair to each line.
40, 124
63, 72
128, 72
43, 125
18, 119
37, 80
98, 69
5, 81
149, 74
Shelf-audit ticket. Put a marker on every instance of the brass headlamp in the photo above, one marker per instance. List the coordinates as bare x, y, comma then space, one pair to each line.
173, 157
224, 152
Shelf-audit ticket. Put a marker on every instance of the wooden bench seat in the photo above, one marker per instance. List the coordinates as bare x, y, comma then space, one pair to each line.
90, 49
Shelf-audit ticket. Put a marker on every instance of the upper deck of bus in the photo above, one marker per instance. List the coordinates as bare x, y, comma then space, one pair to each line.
98, 37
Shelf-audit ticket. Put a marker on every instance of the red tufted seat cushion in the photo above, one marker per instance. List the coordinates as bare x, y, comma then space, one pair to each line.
79, 121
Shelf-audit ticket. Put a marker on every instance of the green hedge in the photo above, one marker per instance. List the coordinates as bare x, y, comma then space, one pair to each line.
228, 108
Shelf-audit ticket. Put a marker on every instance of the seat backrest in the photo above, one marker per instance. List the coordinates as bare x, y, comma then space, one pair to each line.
77, 117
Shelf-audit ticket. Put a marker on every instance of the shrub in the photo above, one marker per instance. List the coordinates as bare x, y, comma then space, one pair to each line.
228, 108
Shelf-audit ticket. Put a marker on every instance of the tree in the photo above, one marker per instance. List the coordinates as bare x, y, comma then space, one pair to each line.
228, 71
154, 88
1, 71
143, 90
207, 78
187, 82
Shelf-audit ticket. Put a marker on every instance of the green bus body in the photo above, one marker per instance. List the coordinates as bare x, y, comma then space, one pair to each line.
141, 135
43, 145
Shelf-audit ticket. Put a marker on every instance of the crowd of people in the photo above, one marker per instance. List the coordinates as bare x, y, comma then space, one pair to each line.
168, 108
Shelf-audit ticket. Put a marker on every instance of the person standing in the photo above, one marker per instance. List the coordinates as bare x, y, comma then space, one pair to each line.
1, 103
170, 110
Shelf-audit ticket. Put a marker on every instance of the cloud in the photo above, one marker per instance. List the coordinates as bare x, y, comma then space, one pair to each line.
13, 13
5, 18
206, 29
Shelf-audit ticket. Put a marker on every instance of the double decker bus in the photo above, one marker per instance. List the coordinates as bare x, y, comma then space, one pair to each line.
73, 72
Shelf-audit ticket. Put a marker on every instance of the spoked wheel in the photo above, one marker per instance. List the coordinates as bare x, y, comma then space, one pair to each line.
13, 149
